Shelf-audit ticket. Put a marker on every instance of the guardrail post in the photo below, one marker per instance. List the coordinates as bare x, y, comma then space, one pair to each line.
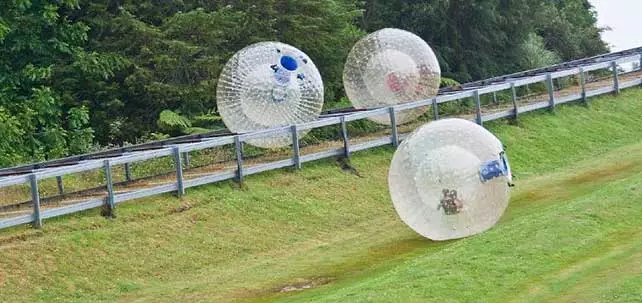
344, 136
295, 147
435, 108
238, 147
478, 107
495, 98
583, 86
514, 98
179, 171
393, 125
35, 199
551, 91
110, 205
128, 172
616, 79
186, 159
61, 186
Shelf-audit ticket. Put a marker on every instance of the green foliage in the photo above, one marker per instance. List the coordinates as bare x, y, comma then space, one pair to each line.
172, 122
42, 53
446, 82
176, 124
80, 136
568, 28
533, 53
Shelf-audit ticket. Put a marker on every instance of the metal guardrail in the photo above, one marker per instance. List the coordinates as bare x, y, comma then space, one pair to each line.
112, 199
514, 77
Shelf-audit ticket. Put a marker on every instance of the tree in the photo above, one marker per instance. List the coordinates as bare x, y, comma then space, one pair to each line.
569, 28
533, 53
39, 45
479, 39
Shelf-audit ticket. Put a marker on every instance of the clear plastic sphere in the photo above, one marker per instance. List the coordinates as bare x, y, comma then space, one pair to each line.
435, 181
267, 85
389, 67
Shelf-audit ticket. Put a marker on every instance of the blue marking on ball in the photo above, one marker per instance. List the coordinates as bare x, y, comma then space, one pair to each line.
289, 63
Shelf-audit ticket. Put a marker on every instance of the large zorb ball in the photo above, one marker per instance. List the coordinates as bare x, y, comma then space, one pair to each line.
268, 85
450, 179
389, 67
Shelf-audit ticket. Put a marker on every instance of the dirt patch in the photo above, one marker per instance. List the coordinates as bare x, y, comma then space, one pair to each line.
345, 165
388, 253
21, 237
603, 174
532, 196
300, 286
183, 208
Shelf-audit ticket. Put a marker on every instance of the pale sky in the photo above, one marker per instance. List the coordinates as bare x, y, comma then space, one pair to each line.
625, 20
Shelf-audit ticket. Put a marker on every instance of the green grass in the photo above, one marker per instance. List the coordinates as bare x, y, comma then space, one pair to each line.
571, 233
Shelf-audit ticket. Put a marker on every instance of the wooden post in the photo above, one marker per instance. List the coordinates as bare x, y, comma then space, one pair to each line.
551, 91
295, 147
616, 79
435, 108
61, 186
393, 124
514, 97
35, 199
128, 172
111, 205
478, 107
344, 136
583, 86
238, 145
179, 171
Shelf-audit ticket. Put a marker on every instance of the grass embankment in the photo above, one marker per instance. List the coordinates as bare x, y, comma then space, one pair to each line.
571, 232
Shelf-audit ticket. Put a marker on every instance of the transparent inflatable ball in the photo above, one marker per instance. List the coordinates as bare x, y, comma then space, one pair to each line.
389, 67
450, 179
268, 85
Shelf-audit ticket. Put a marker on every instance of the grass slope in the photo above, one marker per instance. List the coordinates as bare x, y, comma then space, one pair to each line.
571, 232
572, 237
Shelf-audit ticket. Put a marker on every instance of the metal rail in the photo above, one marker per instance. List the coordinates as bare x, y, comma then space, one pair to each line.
515, 77
554, 68
175, 147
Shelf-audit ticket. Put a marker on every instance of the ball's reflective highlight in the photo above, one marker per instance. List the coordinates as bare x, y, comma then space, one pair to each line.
389, 67
267, 85
435, 182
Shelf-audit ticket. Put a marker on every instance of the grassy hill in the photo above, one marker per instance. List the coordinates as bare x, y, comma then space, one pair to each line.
571, 233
